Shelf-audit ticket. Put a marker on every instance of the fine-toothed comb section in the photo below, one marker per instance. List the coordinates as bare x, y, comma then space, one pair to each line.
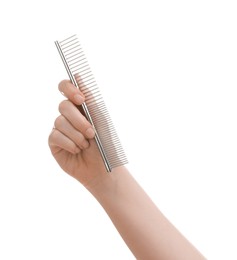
94, 107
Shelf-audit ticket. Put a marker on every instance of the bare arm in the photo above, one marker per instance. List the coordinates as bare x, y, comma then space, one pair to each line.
145, 230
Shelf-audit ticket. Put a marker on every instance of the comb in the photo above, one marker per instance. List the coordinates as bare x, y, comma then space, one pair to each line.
94, 107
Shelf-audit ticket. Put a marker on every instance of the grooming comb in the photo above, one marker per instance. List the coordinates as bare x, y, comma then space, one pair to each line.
94, 107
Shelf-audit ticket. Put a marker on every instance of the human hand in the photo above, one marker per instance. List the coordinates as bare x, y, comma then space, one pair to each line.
71, 140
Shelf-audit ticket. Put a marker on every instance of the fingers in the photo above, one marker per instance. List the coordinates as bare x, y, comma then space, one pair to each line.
58, 141
62, 124
71, 128
76, 119
71, 92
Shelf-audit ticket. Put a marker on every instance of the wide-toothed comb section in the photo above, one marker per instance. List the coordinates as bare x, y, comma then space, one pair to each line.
81, 72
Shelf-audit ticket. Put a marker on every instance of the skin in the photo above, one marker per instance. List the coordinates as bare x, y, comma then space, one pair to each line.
145, 230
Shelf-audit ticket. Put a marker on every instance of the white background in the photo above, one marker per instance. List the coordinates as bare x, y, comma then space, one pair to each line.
167, 71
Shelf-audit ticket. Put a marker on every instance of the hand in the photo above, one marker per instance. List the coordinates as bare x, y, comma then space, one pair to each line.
133, 213
71, 141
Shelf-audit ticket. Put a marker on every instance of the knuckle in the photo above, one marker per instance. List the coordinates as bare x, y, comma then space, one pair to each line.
50, 138
63, 106
53, 137
62, 84
59, 122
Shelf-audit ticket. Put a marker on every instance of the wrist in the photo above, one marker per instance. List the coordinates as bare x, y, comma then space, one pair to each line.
106, 184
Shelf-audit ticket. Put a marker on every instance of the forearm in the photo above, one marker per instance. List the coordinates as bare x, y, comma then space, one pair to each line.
146, 231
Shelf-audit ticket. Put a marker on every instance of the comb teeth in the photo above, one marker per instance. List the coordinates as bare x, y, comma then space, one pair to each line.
94, 107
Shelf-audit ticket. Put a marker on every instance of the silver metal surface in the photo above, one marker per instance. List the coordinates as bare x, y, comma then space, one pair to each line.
94, 107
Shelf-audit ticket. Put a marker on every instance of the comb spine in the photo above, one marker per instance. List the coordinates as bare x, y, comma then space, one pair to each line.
85, 109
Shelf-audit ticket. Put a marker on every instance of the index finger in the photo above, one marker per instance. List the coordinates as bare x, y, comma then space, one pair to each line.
71, 92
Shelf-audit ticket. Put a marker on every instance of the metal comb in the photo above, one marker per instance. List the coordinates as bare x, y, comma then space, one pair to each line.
94, 107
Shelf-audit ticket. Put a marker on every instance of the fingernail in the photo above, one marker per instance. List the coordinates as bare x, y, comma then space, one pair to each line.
79, 99
85, 144
90, 132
